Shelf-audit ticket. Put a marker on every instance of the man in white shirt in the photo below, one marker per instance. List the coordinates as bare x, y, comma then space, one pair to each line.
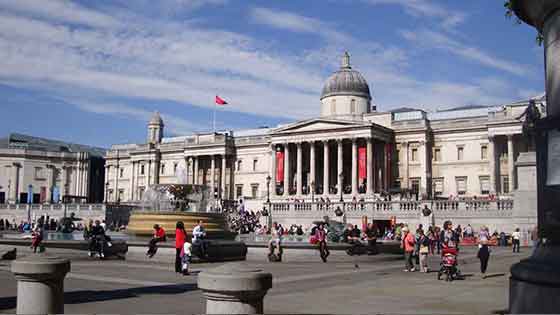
516, 240
199, 234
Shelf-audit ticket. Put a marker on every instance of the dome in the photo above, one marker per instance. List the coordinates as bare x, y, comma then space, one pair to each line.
156, 119
346, 81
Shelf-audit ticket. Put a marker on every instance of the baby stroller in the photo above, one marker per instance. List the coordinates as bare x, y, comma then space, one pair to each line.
449, 264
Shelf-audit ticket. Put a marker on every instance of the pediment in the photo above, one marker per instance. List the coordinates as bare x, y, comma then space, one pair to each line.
319, 124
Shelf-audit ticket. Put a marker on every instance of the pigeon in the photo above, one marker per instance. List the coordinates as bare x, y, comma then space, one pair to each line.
356, 266
10, 255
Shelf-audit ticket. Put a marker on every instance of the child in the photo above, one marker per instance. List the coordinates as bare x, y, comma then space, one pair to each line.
186, 255
37, 238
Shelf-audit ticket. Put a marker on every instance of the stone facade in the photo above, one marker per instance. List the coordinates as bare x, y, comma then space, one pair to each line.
49, 169
469, 151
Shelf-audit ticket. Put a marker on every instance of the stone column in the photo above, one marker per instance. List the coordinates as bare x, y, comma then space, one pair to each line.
273, 170
492, 164
311, 179
131, 188
78, 175
405, 179
286, 169
339, 166
195, 172
535, 282
50, 183
354, 175
64, 182
117, 171
511, 166
223, 174
369, 180
212, 173
85, 190
15, 181
234, 289
326, 167
299, 171
40, 285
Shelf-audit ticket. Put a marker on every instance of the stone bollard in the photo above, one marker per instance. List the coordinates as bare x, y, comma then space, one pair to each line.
234, 289
40, 284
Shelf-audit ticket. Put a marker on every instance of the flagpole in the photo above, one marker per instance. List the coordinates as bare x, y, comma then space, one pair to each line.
214, 119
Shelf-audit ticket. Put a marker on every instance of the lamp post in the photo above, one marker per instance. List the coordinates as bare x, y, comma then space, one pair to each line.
535, 282
341, 180
29, 201
107, 192
312, 191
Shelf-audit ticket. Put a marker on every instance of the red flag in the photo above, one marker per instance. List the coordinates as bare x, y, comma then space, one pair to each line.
220, 101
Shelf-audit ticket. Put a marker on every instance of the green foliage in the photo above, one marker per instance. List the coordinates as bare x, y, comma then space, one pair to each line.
511, 14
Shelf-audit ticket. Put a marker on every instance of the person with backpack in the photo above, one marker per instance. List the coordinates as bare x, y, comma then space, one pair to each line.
516, 240
321, 236
180, 239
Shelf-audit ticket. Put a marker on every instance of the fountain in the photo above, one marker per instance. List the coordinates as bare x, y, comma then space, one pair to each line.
166, 204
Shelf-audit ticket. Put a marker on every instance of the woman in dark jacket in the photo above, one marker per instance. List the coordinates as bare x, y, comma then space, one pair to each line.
180, 238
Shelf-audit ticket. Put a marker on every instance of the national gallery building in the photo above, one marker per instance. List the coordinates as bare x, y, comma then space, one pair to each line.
351, 149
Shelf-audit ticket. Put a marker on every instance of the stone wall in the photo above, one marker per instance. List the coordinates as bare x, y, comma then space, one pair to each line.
19, 212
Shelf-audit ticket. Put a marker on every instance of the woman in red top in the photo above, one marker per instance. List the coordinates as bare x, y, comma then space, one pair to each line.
180, 238
159, 236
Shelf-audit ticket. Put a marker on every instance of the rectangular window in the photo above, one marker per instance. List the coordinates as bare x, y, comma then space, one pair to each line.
141, 192
505, 184
38, 173
460, 153
121, 172
484, 185
461, 185
239, 165
142, 169
415, 185
437, 154
398, 155
238, 191
353, 106
397, 183
438, 186
162, 169
255, 161
254, 190
484, 152
414, 154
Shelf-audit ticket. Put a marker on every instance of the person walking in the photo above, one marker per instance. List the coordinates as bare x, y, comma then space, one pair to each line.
516, 240
423, 251
483, 250
180, 239
407, 244
321, 236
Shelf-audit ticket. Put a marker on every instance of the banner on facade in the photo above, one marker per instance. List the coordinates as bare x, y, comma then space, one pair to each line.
30, 194
56, 194
362, 164
279, 167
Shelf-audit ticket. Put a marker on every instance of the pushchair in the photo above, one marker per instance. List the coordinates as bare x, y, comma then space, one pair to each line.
448, 264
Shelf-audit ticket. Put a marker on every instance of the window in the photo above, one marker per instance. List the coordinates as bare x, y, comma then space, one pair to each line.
333, 106
415, 185
461, 185
121, 172
353, 106
505, 184
121, 194
238, 191
437, 154
438, 186
414, 154
175, 168
460, 153
239, 165
255, 161
141, 192
254, 190
397, 183
484, 184
484, 152
38, 173
142, 169
162, 168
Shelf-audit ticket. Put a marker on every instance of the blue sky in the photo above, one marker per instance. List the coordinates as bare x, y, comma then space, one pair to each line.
92, 72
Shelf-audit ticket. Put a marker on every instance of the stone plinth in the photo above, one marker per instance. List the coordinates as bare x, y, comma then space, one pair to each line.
234, 289
525, 197
40, 284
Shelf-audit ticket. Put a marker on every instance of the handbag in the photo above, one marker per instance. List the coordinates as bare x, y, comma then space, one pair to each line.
424, 250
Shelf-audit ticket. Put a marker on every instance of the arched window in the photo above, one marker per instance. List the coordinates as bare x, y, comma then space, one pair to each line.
333, 106
353, 106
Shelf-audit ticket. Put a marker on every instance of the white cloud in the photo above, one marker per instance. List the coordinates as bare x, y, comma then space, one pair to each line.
431, 39
426, 8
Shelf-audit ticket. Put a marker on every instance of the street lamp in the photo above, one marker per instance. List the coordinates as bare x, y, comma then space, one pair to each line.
107, 192
340, 180
312, 191
268, 179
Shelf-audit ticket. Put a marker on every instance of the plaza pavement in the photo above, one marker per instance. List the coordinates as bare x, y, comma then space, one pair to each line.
302, 284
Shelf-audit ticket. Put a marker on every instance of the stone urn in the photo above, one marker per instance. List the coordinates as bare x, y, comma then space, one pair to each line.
535, 12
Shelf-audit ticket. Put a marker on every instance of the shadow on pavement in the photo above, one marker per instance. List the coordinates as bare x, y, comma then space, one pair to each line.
88, 296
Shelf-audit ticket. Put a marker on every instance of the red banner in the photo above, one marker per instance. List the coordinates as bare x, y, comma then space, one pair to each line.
279, 166
362, 164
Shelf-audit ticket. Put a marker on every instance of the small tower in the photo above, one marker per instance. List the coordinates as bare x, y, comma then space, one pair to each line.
155, 129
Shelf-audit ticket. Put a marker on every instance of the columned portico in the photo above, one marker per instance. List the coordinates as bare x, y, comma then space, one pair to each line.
326, 167
299, 166
311, 180
492, 164
354, 175
272, 170
511, 165
223, 174
370, 168
287, 172
340, 172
